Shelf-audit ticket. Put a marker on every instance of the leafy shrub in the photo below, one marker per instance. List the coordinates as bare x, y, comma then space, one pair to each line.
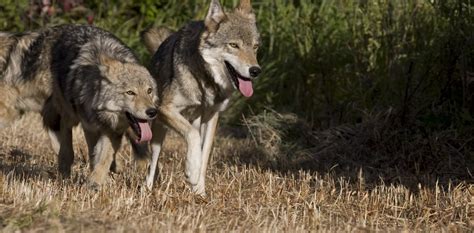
329, 62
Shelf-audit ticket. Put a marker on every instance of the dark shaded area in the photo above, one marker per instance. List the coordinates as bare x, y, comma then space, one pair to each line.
18, 164
378, 150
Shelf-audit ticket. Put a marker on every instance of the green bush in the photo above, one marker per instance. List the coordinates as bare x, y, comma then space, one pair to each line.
329, 61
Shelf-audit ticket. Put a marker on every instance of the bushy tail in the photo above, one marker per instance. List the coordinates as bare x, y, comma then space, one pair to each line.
6, 41
152, 37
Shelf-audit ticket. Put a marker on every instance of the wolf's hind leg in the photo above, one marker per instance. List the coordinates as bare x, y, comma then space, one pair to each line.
8, 112
55, 142
52, 123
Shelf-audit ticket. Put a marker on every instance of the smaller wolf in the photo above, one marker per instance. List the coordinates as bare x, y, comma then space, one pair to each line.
197, 70
78, 74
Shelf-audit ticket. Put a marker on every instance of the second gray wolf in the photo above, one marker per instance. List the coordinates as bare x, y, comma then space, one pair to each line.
197, 69
77, 74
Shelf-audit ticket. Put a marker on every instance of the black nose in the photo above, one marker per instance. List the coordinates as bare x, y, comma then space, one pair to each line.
255, 71
151, 112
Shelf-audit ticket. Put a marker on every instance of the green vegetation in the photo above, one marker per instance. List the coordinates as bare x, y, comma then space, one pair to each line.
331, 62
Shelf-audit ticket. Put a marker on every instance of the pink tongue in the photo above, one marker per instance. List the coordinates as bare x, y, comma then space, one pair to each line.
245, 87
145, 132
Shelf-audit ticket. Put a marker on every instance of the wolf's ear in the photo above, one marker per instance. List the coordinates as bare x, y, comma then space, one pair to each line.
215, 16
245, 8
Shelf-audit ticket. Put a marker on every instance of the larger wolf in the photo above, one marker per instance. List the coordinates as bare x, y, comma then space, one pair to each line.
77, 74
197, 70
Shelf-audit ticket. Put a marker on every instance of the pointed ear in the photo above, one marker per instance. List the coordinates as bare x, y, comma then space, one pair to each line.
215, 16
245, 8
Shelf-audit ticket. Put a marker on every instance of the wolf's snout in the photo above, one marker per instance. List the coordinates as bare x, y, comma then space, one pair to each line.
151, 112
255, 71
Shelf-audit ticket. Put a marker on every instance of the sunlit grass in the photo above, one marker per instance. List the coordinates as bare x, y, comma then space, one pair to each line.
242, 195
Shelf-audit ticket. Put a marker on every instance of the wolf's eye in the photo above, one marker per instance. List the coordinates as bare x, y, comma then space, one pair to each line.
130, 93
149, 90
234, 45
255, 47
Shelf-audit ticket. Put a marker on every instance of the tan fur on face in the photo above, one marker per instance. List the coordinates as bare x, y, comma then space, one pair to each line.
128, 77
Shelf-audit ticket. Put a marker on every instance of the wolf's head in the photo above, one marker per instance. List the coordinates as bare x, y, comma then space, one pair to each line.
129, 89
230, 44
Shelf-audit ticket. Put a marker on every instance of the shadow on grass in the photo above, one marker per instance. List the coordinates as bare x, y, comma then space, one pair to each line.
20, 165
376, 152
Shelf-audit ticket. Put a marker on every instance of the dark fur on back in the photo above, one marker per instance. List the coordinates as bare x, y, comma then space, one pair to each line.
72, 38
31, 58
65, 42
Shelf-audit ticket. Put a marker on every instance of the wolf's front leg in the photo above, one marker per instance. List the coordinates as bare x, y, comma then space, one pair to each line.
208, 131
66, 152
54, 136
175, 120
92, 138
159, 132
104, 153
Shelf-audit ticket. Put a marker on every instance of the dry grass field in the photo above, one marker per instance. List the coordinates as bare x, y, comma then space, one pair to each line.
243, 196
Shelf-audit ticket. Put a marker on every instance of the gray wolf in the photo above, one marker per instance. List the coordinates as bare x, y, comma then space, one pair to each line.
197, 69
75, 74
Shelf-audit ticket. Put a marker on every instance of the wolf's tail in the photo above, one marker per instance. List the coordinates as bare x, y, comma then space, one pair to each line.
154, 36
6, 41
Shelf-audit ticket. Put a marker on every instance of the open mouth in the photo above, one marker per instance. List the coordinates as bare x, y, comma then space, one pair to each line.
141, 128
244, 84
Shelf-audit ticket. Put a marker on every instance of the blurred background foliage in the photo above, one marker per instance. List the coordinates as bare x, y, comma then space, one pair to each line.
331, 62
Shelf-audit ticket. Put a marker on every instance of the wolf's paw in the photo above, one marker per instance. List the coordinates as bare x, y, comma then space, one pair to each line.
97, 180
141, 166
116, 166
93, 186
193, 170
199, 190
192, 176
149, 183
64, 173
